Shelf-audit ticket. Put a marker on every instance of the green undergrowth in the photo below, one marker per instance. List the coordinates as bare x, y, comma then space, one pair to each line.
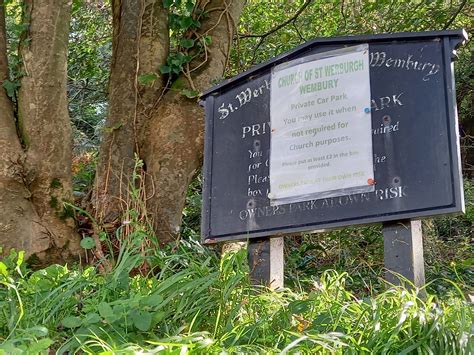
448, 243
188, 298
194, 301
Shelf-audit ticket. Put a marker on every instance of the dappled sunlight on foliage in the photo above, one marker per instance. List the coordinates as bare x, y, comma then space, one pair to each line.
195, 300
198, 302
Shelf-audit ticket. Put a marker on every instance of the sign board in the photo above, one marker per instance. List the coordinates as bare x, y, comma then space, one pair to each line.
401, 120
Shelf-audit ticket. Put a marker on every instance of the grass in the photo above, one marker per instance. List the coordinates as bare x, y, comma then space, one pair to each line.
196, 302
190, 299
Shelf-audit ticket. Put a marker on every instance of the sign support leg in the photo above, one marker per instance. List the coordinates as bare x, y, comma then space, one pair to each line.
403, 252
265, 256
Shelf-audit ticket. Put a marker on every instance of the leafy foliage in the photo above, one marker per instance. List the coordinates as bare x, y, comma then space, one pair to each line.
193, 300
196, 302
90, 50
262, 36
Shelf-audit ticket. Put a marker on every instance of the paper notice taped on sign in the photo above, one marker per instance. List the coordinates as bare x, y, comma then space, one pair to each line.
321, 139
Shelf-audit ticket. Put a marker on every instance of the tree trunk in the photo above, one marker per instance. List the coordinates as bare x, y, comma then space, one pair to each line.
173, 141
19, 223
140, 46
152, 120
35, 180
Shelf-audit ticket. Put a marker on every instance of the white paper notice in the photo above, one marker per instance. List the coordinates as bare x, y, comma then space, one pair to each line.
321, 139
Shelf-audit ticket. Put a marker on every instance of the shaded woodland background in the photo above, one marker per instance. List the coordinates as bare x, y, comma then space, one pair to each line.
121, 81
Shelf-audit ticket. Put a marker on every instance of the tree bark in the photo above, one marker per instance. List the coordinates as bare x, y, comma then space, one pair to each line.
140, 46
35, 179
157, 123
153, 52
19, 224
173, 141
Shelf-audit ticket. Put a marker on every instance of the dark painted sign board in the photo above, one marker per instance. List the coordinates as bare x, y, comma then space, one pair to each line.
415, 142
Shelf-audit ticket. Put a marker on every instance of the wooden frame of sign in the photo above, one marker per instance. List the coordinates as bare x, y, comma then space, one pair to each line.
415, 140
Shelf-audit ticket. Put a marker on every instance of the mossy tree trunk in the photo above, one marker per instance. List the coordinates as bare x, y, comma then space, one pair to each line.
35, 139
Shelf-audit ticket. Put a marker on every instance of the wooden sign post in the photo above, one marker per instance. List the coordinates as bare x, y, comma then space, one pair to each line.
337, 132
403, 252
266, 261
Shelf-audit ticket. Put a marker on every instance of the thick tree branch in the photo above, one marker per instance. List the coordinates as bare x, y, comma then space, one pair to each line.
220, 25
118, 143
43, 105
153, 52
34, 184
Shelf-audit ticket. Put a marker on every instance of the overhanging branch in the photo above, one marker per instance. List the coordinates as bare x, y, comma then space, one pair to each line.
265, 35
280, 26
458, 11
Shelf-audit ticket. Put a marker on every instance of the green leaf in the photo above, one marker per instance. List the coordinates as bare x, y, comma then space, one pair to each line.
3, 269
147, 79
187, 43
185, 22
190, 93
44, 284
176, 62
71, 322
106, 312
467, 262
88, 243
39, 346
189, 5
207, 40
19, 261
152, 300
37, 331
165, 69
141, 320
91, 318
102, 236
11, 87
123, 280
10, 348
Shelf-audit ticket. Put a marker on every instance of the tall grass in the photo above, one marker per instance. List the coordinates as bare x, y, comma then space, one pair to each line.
195, 302
189, 299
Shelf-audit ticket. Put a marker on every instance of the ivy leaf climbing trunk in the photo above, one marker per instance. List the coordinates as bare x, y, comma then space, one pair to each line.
35, 148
